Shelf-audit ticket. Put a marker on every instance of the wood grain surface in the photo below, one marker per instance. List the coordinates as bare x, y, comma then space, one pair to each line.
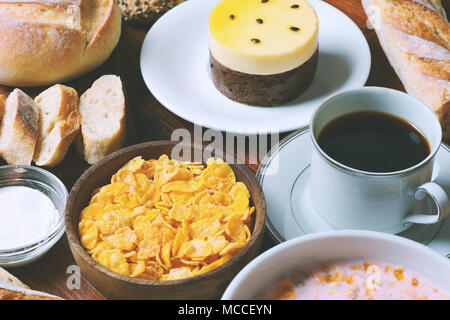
153, 122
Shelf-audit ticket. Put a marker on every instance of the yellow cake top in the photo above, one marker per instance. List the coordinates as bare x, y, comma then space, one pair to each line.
263, 36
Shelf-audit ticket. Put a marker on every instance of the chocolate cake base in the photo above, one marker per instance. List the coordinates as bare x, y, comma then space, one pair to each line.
263, 90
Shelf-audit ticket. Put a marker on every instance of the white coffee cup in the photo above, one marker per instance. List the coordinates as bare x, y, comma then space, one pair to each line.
349, 198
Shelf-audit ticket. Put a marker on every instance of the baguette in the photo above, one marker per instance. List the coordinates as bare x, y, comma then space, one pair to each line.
19, 129
12, 288
416, 40
59, 123
103, 113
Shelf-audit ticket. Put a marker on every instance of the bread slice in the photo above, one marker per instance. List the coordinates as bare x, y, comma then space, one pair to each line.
12, 288
59, 123
19, 129
103, 114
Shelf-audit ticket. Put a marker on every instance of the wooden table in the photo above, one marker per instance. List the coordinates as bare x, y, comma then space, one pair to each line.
154, 122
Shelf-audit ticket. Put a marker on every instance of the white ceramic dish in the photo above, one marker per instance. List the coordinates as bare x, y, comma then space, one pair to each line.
175, 59
284, 178
337, 245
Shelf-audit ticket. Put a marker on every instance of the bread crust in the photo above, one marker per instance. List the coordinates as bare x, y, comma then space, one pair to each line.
15, 291
5, 275
58, 45
12, 288
416, 40
412, 17
105, 39
28, 295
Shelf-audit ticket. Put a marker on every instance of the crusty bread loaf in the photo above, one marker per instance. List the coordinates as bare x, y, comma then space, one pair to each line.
103, 113
416, 40
12, 288
19, 129
49, 41
59, 123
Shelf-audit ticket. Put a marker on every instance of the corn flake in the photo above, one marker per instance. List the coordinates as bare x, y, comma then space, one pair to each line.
166, 220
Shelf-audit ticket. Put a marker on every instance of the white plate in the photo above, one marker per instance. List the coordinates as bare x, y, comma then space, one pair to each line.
175, 58
284, 177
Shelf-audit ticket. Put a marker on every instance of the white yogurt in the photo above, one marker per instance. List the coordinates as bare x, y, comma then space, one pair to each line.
26, 215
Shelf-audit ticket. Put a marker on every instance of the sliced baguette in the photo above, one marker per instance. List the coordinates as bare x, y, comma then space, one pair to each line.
59, 123
19, 129
103, 113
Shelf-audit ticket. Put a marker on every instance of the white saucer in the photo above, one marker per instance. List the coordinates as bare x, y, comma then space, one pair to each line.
174, 65
284, 178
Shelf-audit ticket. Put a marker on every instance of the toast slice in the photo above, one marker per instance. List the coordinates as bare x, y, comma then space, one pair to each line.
103, 115
59, 123
19, 129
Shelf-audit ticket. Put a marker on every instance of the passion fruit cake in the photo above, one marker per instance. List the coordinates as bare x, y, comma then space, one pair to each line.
263, 52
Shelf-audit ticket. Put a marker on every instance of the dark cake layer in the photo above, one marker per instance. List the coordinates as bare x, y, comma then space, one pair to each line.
263, 90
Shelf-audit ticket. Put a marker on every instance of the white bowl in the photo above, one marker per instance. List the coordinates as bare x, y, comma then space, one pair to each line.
337, 245
48, 184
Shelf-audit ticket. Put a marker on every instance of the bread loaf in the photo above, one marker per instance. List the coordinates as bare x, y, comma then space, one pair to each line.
19, 129
48, 41
103, 113
416, 40
59, 123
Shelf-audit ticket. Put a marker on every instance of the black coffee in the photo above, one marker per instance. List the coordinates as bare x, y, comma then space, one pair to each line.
373, 141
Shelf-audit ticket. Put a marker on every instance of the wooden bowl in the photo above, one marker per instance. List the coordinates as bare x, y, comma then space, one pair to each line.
209, 285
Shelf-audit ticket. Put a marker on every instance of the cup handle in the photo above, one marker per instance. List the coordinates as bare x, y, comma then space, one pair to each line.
440, 198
